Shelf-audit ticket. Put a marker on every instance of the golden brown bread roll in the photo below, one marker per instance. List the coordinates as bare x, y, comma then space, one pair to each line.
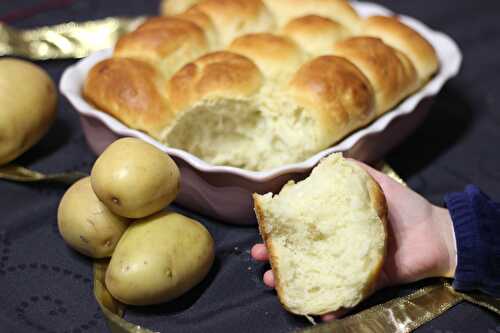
233, 18
337, 93
220, 74
28, 101
406, 40
174, 7
202, 20
275, 56
315, 34
390, 72
336, 10
165, 42
130, 90
241, 83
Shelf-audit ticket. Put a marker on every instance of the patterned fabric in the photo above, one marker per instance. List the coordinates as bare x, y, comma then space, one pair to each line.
47, 287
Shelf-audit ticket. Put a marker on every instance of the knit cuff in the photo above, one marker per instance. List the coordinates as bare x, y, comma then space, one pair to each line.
476, 221
468, 271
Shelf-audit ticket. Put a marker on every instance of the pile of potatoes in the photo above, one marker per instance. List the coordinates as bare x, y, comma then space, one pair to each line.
156, 255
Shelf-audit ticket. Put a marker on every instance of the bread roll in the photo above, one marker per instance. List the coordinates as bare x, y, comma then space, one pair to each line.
390, 72
406, 40
234, 18
259, 83
28, 100
196, 16
277, 57
215, 75
326, 237
130, 90
165, 42
336, 94
173, 7
336, 10
315, 34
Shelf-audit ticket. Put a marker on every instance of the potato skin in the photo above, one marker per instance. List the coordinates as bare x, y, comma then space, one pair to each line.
135, 179
28, 101
86, 224
159, 258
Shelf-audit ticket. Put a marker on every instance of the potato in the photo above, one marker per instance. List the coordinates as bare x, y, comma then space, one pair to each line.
135, 179
28, 101
159, 258
86, 224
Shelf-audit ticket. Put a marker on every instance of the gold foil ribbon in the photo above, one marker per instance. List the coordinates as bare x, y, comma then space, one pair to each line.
63, 41
404, 314
112, 309
20, 174
389, 171
399, 315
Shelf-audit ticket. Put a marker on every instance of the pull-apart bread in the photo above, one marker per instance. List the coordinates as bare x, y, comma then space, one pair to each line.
258, 84
326, 237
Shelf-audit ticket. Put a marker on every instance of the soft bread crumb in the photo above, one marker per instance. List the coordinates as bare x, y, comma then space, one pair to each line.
242, 132
326, 237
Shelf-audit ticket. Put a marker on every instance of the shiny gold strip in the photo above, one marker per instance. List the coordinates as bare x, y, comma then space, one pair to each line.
112, 309
389, 171
490, 303
63, 41
400, 315
20, 174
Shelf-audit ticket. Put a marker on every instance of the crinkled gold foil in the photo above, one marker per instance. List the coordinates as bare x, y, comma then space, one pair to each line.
20, 174
399, 315
405, 314
64, 41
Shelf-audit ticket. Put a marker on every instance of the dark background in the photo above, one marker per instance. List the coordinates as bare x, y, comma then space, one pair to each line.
46, 287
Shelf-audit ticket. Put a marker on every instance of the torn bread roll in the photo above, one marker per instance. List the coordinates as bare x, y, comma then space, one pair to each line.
326, 237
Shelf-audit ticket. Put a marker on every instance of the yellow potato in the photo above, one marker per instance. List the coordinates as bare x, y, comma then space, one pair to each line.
28, 101
86, 224
159, 258
135, 179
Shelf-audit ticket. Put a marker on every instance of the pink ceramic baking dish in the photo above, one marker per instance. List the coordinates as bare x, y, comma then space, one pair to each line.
224, 192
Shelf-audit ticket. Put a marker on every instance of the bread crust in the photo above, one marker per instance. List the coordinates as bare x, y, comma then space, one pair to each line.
218, 74
170, 8
233, 18
390, 72
163, 40
273, 54
130, 90
406, 40
379, 202
315, 34
337, 93
263, 225
336, 10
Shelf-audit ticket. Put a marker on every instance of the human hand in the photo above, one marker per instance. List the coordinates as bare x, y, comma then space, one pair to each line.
420, 239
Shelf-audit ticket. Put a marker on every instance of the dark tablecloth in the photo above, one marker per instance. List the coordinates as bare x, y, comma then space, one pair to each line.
47, 287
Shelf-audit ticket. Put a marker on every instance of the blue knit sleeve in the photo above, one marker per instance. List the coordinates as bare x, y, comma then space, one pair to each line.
476, 220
